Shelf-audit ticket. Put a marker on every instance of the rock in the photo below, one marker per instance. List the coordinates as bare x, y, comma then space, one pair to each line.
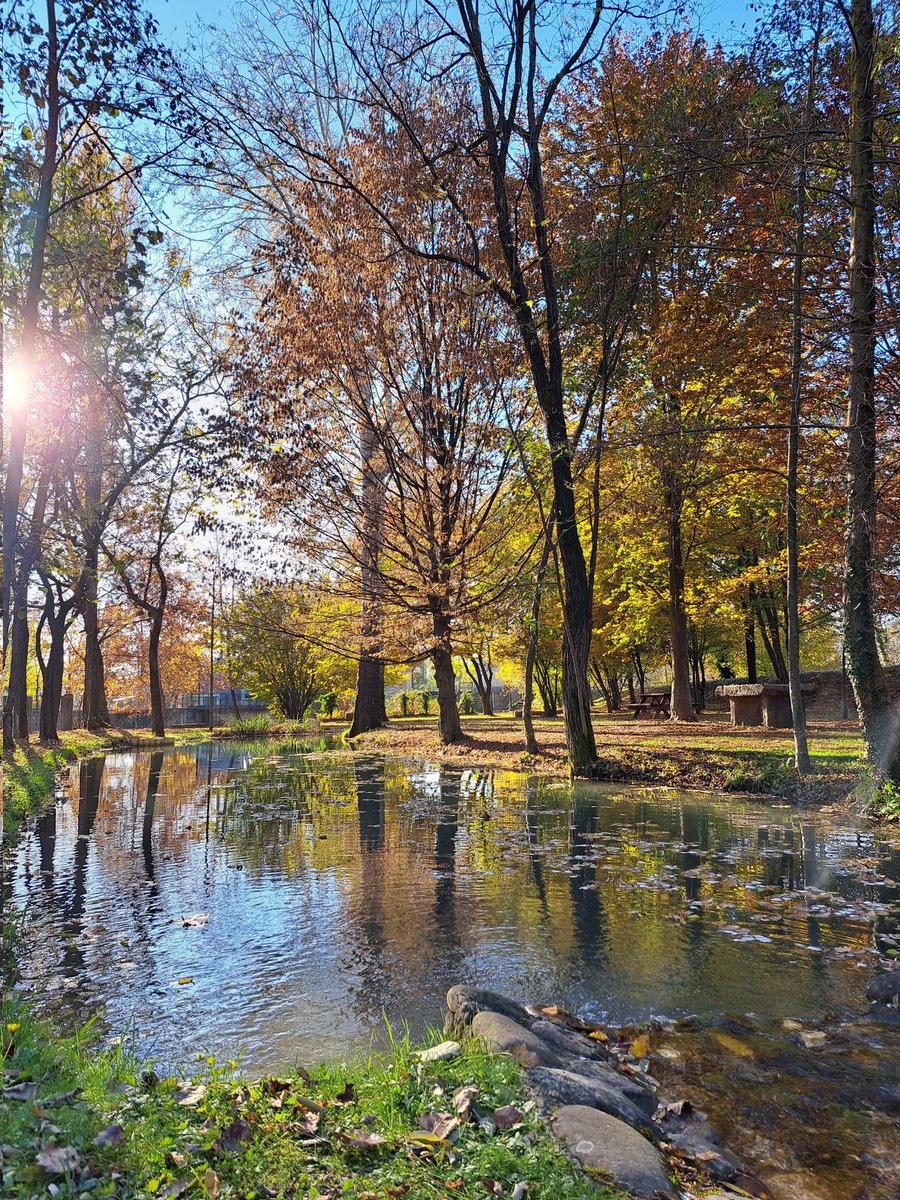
557, 1088
440, 1053
464, 1002
601, 1143
502, 1035
568, 1041
885, 988
636, 1088
696, 1138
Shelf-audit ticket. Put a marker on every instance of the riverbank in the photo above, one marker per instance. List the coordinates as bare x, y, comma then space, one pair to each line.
708, 755
86, 1120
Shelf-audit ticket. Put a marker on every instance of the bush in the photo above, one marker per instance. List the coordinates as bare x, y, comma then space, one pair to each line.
404, 704
467, 704
252, 726
328, 703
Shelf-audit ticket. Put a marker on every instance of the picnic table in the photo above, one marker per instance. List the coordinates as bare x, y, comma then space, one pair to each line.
656, 703
767, 704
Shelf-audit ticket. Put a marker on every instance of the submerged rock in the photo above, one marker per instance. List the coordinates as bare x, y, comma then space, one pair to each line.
601, 1143
885, 988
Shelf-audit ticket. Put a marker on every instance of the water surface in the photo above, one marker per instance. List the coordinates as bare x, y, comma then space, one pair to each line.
331, 891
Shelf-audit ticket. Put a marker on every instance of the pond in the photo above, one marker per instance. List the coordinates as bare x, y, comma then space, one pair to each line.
222, 899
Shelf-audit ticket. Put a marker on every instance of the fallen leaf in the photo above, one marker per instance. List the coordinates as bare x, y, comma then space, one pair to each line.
186, 979
21, 1091
361, 1139
598, 1035
520, 1191
640, 1047
733, 1045
440, 1124
812, 1038
495, 1188
190, 1094
463, 1099
236, 1133
308, 1124
453, 1185
347, 1096
110, 1137
195, 921
58, 1160
211, 1183
178, 1188
507, 1117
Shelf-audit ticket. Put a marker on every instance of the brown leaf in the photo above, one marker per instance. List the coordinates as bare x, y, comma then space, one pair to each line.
463, 1100
507, 1117
236, 1133
58, 1160
750, 1184
347, 1096
211, 1183
361, 1139
309, 1123
453, 1185
440, 1124
21, 1091
495, 1188
110, 1137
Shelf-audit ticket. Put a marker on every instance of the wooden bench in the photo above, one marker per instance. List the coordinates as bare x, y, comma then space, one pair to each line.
656, 703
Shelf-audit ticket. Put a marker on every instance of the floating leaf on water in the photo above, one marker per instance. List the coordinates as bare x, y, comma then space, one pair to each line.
195, 920
186, 979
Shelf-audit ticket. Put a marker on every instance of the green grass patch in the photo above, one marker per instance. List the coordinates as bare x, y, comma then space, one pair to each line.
342, 1130
29, 773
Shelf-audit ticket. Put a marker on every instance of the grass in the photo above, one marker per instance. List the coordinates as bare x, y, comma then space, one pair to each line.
29, 772
343, 1130
709, 754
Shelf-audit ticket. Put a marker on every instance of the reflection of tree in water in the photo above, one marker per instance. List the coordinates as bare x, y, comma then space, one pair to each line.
445, 832
588, 916
45, 832
156, 764
90, 775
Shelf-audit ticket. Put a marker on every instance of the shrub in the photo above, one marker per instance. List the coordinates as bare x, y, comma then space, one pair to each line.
251, 726
467, 704
328, 703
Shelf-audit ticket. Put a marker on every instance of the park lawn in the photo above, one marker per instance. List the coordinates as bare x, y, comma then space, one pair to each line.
112, 1127
709, 754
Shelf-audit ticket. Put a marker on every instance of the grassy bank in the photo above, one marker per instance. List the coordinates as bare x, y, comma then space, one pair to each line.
709, 754
96, 1121
29, 772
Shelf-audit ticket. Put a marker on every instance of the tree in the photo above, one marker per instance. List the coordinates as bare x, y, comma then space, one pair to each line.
270, 649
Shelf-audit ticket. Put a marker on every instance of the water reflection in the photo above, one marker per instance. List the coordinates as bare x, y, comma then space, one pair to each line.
343, 887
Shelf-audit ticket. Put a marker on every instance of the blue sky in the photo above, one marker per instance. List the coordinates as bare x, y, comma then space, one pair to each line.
718, 18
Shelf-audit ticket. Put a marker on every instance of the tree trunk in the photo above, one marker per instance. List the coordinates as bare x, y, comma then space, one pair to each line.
57, 621
792, 598
878, 721
369, 709
767, 613
750, 634
531, 744
449, 723
18, 406
95, 713
681, 707
157, 702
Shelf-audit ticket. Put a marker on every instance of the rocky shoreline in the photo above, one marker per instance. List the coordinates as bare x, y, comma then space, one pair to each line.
600, 1101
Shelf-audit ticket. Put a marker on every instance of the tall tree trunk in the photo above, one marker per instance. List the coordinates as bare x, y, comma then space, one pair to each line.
681, 706
157, 701
767, 614
57, 623
750, 633
792, 601
15, 706
449, 723
369, 709
18, 405
877, 718
95, 710
531, 744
